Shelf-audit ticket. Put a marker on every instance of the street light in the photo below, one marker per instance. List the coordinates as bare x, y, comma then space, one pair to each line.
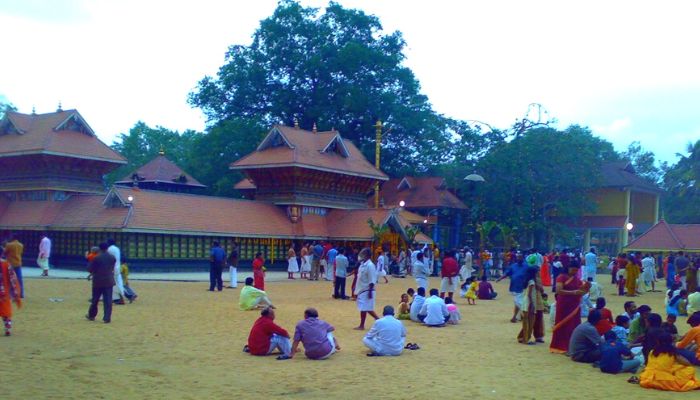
402, 203
130, 199
629, 226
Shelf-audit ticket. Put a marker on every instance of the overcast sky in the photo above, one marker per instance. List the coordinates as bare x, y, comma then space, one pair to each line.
630, 70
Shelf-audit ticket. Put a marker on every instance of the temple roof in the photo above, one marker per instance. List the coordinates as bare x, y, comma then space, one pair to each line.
61, 133
668, 237
621, 174
425, 192
161, 170
293, 147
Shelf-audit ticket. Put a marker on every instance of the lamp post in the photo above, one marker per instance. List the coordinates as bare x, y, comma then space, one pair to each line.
472, 179
436, 230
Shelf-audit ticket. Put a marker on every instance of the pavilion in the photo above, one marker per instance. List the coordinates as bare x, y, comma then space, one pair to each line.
664, 238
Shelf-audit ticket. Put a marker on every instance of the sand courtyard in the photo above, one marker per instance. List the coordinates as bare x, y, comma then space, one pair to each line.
179, 341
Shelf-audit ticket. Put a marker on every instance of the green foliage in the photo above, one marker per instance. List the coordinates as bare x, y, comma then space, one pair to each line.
5, 107
485, 229
336, 69
681, 202
411, 232
644, 162
542, 168
377, 229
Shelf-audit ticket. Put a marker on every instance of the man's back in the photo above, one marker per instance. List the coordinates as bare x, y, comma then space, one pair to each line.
390, 332
102, 270
435, 311
584, 338
341, 266
591, 259
416, 307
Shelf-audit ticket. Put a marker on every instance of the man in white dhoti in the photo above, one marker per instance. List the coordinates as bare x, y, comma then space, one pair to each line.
591, 267
466, 271
387, 335
421, 271
649, 272
44, 255
233, 267
435, 310
118, 291
365, 288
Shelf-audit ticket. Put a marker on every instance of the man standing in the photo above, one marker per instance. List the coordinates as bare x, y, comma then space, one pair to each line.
649, 272
682, 264
421, 271
102, 270
44, 254
330, 258
316, 254
233, 267
435, 310
266, 337
217, 259
13, 252
341, 273
316, 336
365, 289
466, 270
118, 294
591, 265
449, 273
516, 272
387, 335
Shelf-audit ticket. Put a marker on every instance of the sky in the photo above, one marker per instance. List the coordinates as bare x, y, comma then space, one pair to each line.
629, 70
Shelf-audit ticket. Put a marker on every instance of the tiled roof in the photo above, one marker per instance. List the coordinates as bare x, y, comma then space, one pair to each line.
353, 223
50, 134
668, 237
427, 192
594, 222
245, 184
621, 174
162, 170
285, 146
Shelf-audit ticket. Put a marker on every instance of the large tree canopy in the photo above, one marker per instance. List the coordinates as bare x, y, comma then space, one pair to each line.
682, 197
540, 170
337, 69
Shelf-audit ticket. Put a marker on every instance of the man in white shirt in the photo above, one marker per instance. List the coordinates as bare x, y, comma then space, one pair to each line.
365, 289
421, 271
435, 310
591, 265
387, 335
466, 271
44, 255
118, 292
417, 304
649, 272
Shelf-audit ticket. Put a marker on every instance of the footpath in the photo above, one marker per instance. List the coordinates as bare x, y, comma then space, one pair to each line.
270, 276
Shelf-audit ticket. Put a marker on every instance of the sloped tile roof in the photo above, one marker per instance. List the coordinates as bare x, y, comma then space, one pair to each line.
353, 223
162, 170
304, 149
426, 192
621, 174
245, 184
668, 237
39, 135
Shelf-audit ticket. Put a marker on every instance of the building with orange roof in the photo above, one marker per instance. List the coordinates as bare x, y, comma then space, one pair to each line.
306, 186
665, 237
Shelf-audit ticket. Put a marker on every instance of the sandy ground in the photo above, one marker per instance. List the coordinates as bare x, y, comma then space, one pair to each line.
179, 341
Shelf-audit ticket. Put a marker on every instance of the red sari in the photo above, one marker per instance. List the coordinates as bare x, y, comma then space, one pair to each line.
568, 314
258, 274
9, 290
545, 275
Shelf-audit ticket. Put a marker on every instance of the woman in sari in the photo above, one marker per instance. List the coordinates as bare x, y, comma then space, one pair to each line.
9, 292
259, 272
570, 289
545, 274
633, 270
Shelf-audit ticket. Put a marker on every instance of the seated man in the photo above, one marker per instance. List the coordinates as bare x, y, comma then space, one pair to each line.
387, 336
252, 298
315, 335
585, 342
416, 305
266, 336
435, 310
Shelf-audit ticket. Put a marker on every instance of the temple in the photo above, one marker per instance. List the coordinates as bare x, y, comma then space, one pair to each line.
301, 186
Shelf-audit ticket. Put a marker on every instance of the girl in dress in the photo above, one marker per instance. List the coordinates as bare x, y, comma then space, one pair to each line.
305, 262
455, 315
292, 263
471, 291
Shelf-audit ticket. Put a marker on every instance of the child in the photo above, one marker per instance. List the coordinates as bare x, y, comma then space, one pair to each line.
667, 370
621, 282
455, 315
545, 301
464, 288
670, 326
471, 292
128, 291
90, 255
404, 307
586, 305
611, 353
606, 321
594, 290
9, 291
674, 300
622, 329
410, 292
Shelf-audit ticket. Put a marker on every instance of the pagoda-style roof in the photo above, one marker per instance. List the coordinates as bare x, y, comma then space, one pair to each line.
668, 237
61, 133
621, 174
325, 151
161, 170
419, 192
245, 184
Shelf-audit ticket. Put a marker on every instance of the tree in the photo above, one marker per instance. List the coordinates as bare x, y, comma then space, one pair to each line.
337, 70
5, 107
681, 201
538, 170
644, 162
143, 143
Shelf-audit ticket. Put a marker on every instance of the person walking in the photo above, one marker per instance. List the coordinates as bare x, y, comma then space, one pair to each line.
44, 254
341, 273
102, 270
14, 250
217, 260
118, 291
366, 287
233, 267
9, 292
